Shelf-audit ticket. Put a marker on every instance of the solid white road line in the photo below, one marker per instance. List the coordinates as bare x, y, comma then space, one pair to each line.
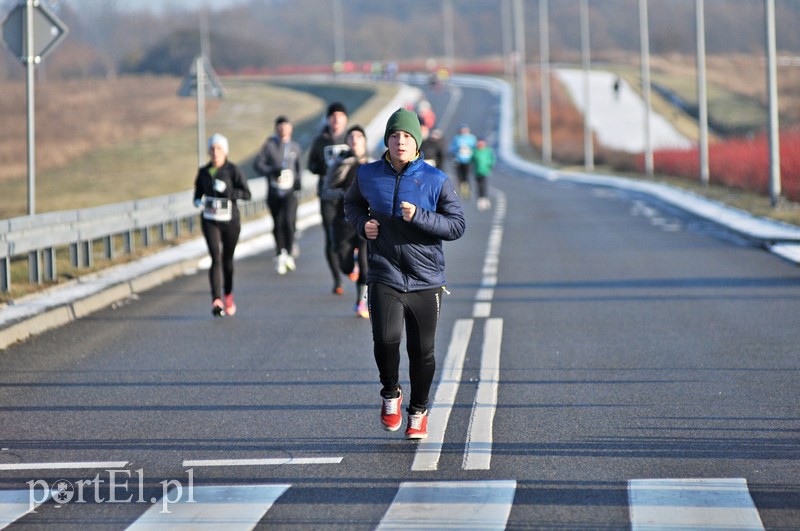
430, 449
478, 453
66, 465
14, 504
230, 507
263, 462
483, 505
691, 504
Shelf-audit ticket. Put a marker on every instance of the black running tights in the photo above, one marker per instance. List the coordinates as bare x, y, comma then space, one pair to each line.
389, 310
284, 219
221, 239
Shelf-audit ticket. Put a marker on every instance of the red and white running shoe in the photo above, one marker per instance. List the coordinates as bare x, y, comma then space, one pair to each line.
391, 416
417, 426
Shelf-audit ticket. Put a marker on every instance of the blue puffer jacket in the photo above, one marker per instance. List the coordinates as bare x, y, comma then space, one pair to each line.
407, 256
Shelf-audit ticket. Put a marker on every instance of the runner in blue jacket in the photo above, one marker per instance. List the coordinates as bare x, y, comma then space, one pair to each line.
405, 209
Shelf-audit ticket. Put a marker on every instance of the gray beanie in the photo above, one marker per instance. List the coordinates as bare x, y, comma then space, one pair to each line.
403, 120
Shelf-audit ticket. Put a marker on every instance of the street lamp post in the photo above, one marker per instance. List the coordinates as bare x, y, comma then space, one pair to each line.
586, 62
544, 45
702, 97
507, 24
30, 65
772, 91
645, 44
338, 32
522, 97
449, 40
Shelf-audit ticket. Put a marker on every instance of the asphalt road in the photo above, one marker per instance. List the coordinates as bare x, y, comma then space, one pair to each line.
592, 338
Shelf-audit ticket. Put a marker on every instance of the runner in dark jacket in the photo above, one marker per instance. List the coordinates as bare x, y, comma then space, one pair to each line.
405, 208
324, 151
350, 247
278, 161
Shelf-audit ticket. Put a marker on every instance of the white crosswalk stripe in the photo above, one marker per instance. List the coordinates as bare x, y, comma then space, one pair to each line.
230, 507
691, 504
654, 504
428, 505
14, 504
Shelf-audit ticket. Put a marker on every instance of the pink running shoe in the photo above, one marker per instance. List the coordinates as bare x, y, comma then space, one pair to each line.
230, 306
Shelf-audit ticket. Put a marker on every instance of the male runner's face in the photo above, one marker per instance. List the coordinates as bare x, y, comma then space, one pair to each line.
337, 122
402, 148
358, 143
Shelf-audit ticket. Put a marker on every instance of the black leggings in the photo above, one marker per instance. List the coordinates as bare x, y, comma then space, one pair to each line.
328, 211
346, 241
389, 309
481, 180
284, 216
462, 171
221, 238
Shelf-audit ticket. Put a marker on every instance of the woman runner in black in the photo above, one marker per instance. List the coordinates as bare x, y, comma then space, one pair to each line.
219, 184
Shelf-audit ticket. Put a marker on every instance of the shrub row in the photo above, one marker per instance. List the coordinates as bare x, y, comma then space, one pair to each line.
741, 163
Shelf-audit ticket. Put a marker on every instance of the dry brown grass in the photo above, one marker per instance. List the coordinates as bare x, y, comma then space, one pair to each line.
75, 117
106, 141
134, 139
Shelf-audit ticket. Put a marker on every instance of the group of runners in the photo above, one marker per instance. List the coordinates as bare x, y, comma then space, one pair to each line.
384, 223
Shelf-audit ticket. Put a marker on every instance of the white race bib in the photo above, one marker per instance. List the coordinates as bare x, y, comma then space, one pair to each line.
217, 208
332, 152
285, 180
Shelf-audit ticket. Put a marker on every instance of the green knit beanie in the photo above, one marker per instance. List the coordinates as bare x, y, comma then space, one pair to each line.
403, 120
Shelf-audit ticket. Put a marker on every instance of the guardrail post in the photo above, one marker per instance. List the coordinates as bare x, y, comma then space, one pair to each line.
80, 254
162, 232
49, 255
88, 253
176, 228
108, 246
75, 254
127, 242
35, 267
5, 274
146, 236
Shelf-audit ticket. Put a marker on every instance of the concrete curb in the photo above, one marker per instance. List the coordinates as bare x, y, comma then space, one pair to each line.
63, 314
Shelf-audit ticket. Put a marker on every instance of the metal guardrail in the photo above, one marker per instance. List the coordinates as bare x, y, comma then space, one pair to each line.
41, 235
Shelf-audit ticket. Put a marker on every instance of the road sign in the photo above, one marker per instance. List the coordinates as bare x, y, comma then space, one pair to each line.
212, 84
48, 31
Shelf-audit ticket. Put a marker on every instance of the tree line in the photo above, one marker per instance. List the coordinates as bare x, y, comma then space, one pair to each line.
107, 40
